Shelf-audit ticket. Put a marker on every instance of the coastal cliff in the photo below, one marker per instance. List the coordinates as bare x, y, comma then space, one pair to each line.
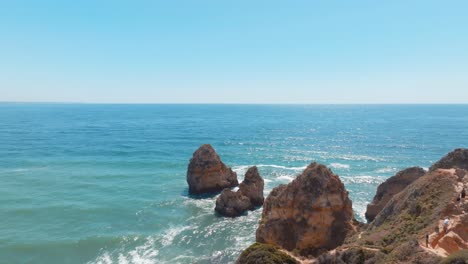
410, 216
391, 187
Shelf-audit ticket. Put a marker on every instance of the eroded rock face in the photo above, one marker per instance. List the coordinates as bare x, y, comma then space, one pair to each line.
311, 214
207, 173
456, 237
390, 187
232, 204
457, 159
249, 195
252, 186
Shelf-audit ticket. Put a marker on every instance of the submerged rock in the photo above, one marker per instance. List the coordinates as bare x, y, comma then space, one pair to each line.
249, 195
252, 186
207, 173
309, 215
457, 159
390, 187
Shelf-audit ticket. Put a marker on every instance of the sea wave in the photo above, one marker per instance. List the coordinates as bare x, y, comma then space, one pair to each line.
386, 170
366, 179
243, 168
285, 178
337, 165
171, 233
144, 254
358, 157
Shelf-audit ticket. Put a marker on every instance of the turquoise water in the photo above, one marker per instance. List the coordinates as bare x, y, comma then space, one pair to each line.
106, 183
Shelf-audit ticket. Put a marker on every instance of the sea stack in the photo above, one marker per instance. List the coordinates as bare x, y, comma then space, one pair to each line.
206, 172
309, 215
249, 195
390, 188
252, 186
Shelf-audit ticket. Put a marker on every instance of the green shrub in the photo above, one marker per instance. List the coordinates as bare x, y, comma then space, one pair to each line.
263, 253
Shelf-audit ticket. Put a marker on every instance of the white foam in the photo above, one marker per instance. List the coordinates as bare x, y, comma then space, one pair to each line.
122, 259
358, 157
285, 178
282, 167
243, 168
366, 179
204, 204
170, 234
337, 165
386, 170
144, 254
104, 259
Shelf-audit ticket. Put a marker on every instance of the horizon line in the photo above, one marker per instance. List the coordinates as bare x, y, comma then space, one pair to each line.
227, 103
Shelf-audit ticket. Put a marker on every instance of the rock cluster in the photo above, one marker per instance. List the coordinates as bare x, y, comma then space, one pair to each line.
390, 187
311, 214
206, 172
249, 195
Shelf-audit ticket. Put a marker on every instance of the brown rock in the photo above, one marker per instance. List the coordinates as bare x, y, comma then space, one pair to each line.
457, 159
390, 187
311, 214
231, 203
252, 186
207, 173
249, 195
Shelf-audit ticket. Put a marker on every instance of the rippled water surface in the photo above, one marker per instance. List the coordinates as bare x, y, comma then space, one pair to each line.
106, 183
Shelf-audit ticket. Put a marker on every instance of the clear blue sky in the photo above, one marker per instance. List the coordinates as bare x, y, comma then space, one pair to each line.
234, 51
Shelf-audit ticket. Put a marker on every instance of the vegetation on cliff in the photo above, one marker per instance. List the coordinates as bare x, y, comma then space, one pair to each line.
265, 254
410, 228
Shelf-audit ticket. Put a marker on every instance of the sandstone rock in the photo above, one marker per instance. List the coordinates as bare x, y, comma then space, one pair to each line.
252, 186
390, 187
311, 214
232, 204
457, 159
456, 237
207, 173
249, 195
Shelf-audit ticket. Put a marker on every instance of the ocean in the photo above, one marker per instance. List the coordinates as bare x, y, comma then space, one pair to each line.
105, 183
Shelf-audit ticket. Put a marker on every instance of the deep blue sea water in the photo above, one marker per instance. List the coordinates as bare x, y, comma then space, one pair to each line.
87, 183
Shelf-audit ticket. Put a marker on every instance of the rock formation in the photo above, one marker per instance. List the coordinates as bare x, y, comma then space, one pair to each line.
400, 229
457, 159
252, 186
311, 214
232, 204
249, 195
292, 214
207, 173
390, 187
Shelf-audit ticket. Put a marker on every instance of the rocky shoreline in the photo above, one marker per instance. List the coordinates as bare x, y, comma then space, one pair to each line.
416, 216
